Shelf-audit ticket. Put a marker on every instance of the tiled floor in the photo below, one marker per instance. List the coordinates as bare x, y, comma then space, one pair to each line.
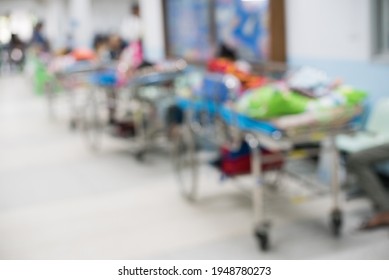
59, 200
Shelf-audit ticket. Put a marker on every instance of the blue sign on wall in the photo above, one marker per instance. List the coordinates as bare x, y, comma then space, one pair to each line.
243, 25
240, 24
189, 28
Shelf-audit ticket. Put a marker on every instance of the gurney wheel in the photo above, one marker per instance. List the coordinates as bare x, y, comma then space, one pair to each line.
336, 222
185, 161
73, 124
263, 239
140, 155
50, 95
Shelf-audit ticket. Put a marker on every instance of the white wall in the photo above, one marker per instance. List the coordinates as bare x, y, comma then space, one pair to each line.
108, 15
153, 29
336, 29
56, 22
81, 21
336, 37
34, 6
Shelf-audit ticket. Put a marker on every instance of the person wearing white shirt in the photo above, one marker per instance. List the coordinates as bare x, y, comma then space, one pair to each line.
131, 27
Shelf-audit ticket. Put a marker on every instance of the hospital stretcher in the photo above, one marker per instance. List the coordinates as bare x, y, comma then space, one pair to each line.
75, 81
136, 105
67, 80
281, 136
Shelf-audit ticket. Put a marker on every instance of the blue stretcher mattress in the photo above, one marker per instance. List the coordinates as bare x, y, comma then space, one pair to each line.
106, 78
231, 117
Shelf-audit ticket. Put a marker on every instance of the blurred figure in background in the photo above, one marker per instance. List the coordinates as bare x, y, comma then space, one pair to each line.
39, 41
16, 53
227, 52
100, 45
131, 27
116, 46
363, 165
69, 41
131, 31
227, 62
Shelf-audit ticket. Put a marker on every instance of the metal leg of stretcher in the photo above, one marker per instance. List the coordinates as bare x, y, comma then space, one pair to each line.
185, 159
50, 94
74, 114
336, 214
261, 225
142, 123
141, 132
92, 119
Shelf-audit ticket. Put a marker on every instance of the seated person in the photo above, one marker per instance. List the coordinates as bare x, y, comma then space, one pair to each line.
362, 164
227, 52
116, 46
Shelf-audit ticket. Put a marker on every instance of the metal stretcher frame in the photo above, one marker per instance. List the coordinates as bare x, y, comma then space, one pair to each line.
265, 134
258, 139
132, 86
69, 79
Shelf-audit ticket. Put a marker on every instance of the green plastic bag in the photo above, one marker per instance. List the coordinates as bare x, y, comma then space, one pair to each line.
270, 102
43, 80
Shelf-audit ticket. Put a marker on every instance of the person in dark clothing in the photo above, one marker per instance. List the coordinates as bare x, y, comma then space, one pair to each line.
16, 52
226, 52
116, 46
38, 39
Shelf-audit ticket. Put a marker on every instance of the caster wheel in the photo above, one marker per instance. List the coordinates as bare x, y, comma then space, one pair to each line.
73, 125
336, 222
140, 155
263, 240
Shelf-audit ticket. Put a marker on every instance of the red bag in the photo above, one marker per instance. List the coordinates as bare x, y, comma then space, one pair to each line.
239, 162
